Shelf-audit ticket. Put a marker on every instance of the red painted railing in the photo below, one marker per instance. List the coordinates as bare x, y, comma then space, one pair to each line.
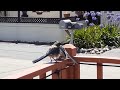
67, 69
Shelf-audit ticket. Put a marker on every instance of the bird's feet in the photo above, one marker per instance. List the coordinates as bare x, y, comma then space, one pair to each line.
52, 61
56, 60
60, 58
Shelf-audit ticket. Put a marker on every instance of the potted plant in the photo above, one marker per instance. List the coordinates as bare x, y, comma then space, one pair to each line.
66, 15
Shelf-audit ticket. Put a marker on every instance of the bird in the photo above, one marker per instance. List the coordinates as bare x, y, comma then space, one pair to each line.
56, 52
53, 52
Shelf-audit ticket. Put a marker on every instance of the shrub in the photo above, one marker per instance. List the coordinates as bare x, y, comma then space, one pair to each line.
98, 36
95, 36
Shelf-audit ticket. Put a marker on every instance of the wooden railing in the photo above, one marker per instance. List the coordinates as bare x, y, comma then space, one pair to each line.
66, 68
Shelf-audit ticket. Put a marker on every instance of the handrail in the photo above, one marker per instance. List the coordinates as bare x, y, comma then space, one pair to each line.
99, 60
37, 70
67, 73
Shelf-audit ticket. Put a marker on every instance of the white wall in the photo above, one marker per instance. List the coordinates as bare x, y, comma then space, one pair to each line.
51, 14
31, 32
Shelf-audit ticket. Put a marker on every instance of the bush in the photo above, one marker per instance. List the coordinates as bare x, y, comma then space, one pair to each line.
95, 36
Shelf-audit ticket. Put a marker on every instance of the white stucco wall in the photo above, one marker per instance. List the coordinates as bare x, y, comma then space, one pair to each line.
31, 32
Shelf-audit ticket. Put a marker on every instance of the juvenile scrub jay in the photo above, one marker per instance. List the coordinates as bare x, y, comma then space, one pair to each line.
56, 52
53, 53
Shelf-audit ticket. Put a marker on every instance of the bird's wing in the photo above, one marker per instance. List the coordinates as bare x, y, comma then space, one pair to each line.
62, 51
42, 57
52, 50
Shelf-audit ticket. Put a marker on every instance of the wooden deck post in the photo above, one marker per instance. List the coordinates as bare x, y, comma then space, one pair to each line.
73, 72
56, 75
99, 71
77, 71
43, 76
64, 72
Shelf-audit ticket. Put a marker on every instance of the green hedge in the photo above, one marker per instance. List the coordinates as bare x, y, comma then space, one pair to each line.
95, 36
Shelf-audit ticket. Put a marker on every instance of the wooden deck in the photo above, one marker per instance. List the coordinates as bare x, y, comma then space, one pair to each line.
71, 71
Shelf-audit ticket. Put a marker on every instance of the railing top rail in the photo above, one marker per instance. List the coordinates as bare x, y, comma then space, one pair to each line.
98, 59
43, 68
97, 56
37, 70
27, 72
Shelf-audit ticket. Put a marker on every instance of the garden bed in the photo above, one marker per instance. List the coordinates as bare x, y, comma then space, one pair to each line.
97, 39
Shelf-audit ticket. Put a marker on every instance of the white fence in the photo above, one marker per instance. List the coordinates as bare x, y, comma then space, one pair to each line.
31, 32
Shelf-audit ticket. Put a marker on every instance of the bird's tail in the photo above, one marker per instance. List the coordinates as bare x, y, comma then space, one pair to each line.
39, 59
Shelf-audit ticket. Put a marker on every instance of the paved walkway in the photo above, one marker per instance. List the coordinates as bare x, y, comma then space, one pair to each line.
17, 57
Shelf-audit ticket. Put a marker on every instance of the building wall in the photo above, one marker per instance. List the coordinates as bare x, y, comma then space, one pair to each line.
34, 31
2, 13
12, 14
51, 14
31, 32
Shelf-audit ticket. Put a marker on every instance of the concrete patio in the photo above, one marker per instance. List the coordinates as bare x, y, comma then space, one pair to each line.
15, 58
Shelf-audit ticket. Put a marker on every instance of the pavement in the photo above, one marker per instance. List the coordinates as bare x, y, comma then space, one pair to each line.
18, 57
15, 58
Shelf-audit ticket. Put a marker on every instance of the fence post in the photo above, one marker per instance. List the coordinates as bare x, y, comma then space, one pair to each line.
42, 76
99, 71
77, 71
73, 72
18, 16
64, 72
5, 14
60, 15
56, 75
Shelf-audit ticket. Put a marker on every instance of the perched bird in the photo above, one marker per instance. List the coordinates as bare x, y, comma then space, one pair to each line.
53, 53
56, 52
